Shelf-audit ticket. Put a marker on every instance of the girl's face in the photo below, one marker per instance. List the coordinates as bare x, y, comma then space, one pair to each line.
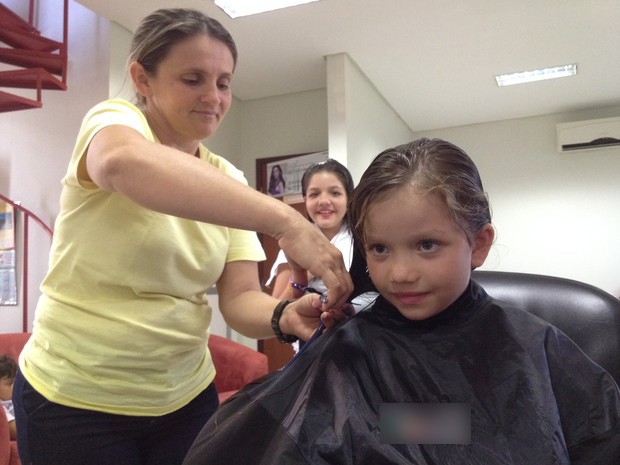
189, 95
326, 202
418, 259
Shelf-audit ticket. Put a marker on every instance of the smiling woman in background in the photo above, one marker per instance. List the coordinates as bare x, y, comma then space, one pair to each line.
325, 187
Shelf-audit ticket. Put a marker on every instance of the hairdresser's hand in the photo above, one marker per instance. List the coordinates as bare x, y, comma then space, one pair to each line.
306, 248
334, 316
302, 316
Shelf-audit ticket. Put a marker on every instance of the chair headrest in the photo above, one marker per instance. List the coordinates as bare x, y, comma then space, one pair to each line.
587, 314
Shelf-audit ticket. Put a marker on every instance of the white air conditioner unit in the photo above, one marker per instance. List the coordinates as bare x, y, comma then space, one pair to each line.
588, 135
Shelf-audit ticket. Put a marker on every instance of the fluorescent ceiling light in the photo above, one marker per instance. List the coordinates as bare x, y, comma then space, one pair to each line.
536, 75
236, 8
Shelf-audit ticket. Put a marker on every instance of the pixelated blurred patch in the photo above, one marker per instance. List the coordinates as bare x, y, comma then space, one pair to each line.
411, 423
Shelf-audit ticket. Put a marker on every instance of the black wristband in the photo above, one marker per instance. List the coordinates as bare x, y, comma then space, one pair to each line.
275, 324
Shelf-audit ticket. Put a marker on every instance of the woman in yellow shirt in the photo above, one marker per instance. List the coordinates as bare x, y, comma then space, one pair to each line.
117, 370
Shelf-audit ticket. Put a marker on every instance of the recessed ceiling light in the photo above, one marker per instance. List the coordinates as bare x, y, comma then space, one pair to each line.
237, 8
536, 75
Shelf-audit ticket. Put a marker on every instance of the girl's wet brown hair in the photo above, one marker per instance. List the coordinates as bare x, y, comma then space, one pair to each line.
428, 166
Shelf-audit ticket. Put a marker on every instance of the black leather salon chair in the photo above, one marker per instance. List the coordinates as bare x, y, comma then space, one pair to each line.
587, 314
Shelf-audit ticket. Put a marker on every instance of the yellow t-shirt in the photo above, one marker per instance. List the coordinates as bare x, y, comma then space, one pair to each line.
123, 321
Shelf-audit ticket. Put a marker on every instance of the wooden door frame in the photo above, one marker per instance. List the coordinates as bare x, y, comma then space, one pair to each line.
262, 184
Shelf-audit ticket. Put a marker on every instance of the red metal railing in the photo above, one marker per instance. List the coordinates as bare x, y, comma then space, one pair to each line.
28, 215
44, 61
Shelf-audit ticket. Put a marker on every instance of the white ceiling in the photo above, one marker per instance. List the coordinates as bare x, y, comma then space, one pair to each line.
434, 61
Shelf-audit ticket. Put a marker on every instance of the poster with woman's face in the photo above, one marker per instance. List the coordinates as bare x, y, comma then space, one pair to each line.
284, 176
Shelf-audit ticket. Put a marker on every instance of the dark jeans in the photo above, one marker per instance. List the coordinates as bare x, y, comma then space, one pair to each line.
52, 434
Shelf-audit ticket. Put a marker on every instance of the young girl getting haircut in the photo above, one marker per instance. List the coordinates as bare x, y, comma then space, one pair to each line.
436, 371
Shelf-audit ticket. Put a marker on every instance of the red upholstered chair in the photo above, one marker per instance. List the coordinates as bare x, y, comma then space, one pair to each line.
236, 365
11, 344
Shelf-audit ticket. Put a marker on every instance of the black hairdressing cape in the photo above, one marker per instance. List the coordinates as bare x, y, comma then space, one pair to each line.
535, 397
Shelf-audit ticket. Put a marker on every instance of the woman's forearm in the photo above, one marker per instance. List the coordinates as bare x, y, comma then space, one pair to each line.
173, 182
169, 181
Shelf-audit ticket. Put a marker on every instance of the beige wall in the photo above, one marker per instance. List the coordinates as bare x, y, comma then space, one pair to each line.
36, 144
283, 125
361, 122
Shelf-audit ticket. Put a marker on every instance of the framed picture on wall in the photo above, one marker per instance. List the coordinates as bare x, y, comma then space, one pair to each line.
284, 175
